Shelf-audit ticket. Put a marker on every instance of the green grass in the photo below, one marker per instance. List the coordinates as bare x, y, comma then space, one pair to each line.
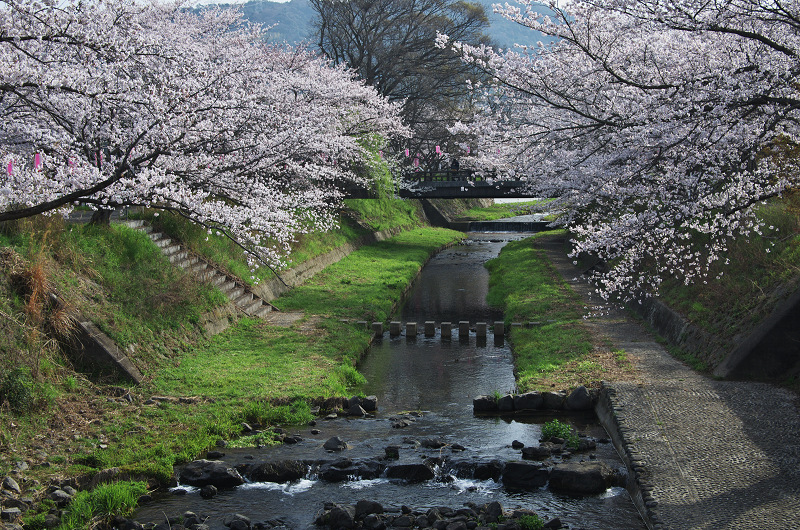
106, 500
524, 283
360, 217
502, 210
370, 281
746, 285
555, 428
255, 361
249, 373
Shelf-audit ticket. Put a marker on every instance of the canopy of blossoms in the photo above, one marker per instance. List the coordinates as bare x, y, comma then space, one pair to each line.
119, 102
658, 124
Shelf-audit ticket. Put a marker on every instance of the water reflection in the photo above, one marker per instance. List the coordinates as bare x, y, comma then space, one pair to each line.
439, 378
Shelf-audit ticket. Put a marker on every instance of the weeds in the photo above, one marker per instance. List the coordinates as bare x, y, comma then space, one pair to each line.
106, 501
16, 389
556, 429
530, 522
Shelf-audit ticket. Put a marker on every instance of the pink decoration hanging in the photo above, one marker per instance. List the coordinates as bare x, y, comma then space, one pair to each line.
380, 153
438, 150
408, 153
467, 149
416, 162
10, 167
37, 161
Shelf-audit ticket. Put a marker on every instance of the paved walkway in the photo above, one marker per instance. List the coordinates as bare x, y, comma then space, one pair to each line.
717, 454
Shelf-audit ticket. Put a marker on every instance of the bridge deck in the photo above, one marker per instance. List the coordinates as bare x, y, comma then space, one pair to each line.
453, 184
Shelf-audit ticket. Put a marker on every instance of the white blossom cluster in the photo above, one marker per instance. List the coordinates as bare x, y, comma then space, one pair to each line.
120, 102
656, 123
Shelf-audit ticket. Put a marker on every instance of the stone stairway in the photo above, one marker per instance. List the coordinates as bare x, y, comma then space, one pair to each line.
179, 256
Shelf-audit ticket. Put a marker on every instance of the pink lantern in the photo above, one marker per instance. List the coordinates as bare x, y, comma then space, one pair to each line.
408, 153
438, 150
10, 167
37, 161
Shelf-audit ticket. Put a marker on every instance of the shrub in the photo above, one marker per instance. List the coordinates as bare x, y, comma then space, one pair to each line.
17, 390
530, 522
557, 429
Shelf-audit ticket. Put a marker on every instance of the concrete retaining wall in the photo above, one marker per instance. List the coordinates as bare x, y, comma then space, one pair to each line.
612, 418
272, 289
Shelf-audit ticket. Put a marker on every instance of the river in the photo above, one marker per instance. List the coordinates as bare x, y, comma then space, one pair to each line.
430, 383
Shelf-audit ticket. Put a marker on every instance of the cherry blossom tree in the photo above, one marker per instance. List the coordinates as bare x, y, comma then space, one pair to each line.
117, 102
658, 124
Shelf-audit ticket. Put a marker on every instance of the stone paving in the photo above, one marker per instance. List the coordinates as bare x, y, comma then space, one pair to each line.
713, 454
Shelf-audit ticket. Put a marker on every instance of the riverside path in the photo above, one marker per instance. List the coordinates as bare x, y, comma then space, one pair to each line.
709, 454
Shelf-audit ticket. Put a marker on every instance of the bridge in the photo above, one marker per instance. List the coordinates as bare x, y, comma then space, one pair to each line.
459, 184
450, 184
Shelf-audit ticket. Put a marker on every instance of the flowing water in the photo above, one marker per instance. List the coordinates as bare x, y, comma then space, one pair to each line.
430, 383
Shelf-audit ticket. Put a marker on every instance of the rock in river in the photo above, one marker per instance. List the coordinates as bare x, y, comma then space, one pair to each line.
214, 472
581, 478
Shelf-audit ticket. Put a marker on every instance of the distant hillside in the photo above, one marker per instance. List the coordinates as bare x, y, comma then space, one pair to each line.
293, 22
506, 33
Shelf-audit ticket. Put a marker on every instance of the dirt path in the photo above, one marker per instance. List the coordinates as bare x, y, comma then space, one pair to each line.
713, 454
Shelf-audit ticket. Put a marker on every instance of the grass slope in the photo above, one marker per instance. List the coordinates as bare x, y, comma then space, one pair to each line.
69, 425
558, 351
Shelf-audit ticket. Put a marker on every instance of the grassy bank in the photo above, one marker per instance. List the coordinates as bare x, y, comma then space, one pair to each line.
559, 351
65, 423
357, 218
744, 287
501, 210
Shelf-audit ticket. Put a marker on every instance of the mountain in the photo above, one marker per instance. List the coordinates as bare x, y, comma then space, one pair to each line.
293, 22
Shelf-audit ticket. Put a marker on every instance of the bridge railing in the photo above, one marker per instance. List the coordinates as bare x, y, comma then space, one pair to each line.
444, 175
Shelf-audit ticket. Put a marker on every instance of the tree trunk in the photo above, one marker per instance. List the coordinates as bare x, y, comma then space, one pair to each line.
101, 216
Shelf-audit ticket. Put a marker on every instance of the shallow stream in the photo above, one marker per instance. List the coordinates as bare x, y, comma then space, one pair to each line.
435, 381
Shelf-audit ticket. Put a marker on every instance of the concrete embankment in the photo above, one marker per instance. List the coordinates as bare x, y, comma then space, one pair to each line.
702, 453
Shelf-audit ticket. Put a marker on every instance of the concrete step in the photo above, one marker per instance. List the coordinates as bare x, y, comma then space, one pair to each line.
200, 266
218, 279
205, 275
170, 250
226, 286
155, 236
244, 300
186, 262
262, 311
136, 224
234, 293
253, 306
162, 243
176, 257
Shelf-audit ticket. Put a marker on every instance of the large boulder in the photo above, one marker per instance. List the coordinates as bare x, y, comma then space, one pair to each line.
489, 470
484, 404
346, 469
525, 475
339, 516
335, 444
370, 403
214, 472
410, 472
281, 471
528, 401
581, 478
506, 403
579, 399
554, 400
541, 452
365, 507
